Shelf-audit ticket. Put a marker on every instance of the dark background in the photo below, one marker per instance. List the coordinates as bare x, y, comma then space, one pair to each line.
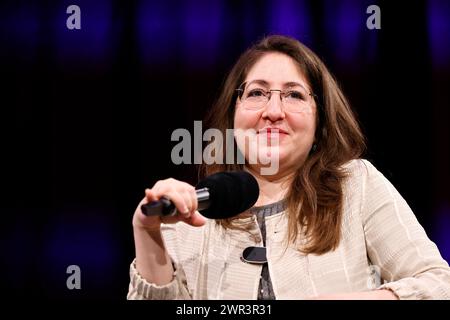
86, 115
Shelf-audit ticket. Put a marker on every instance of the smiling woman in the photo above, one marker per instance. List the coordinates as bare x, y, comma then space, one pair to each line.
292, 112
323, 222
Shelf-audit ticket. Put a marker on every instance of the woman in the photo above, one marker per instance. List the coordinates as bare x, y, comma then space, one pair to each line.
332, 225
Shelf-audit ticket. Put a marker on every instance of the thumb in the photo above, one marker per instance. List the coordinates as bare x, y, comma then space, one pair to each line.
196, 220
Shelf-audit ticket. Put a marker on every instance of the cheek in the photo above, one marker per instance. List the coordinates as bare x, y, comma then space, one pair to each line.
304, 126
244, 119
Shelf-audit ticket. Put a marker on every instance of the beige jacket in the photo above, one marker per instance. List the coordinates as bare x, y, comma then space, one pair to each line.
382, 246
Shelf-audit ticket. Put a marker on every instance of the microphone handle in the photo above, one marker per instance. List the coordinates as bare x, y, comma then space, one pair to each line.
164, 207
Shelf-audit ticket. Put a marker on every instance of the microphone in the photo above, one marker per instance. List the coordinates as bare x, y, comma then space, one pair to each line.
220, 196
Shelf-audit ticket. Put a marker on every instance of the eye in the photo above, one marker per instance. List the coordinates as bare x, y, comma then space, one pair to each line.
295, 95
256, 93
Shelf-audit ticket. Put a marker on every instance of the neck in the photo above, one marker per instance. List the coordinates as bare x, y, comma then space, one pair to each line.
271, 188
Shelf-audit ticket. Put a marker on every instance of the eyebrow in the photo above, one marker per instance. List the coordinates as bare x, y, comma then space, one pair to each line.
285, 85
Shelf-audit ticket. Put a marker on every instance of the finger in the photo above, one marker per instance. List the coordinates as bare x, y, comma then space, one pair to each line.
179, 201
195, 220
172, 189
150, 195
193, 195
187, 197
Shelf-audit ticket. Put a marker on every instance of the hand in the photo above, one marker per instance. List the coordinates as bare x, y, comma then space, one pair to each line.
182, 195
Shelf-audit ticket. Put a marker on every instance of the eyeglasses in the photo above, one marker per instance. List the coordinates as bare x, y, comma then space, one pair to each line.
295, 98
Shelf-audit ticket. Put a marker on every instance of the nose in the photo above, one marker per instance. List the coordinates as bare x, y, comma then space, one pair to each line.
274, 107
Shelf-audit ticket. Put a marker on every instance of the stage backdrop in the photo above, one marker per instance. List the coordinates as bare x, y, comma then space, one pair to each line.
88, 107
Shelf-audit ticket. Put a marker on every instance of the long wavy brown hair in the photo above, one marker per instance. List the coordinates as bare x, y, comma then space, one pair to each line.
315, 195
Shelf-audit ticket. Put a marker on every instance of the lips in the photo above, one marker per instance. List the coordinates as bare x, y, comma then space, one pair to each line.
272, 131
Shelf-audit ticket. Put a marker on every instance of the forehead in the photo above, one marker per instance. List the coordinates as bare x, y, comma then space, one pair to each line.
276, 69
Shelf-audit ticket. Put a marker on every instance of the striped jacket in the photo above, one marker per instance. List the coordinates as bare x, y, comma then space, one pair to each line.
382, 246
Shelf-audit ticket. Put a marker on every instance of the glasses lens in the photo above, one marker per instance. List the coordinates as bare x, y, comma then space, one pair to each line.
254, 97
297, 99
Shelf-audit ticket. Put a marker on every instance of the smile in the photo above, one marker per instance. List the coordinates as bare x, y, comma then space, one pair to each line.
273, 132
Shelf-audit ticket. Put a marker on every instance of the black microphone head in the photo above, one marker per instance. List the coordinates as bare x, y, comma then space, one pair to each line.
230, 193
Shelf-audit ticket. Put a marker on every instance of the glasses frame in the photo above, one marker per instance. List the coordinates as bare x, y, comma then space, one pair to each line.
241, 89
